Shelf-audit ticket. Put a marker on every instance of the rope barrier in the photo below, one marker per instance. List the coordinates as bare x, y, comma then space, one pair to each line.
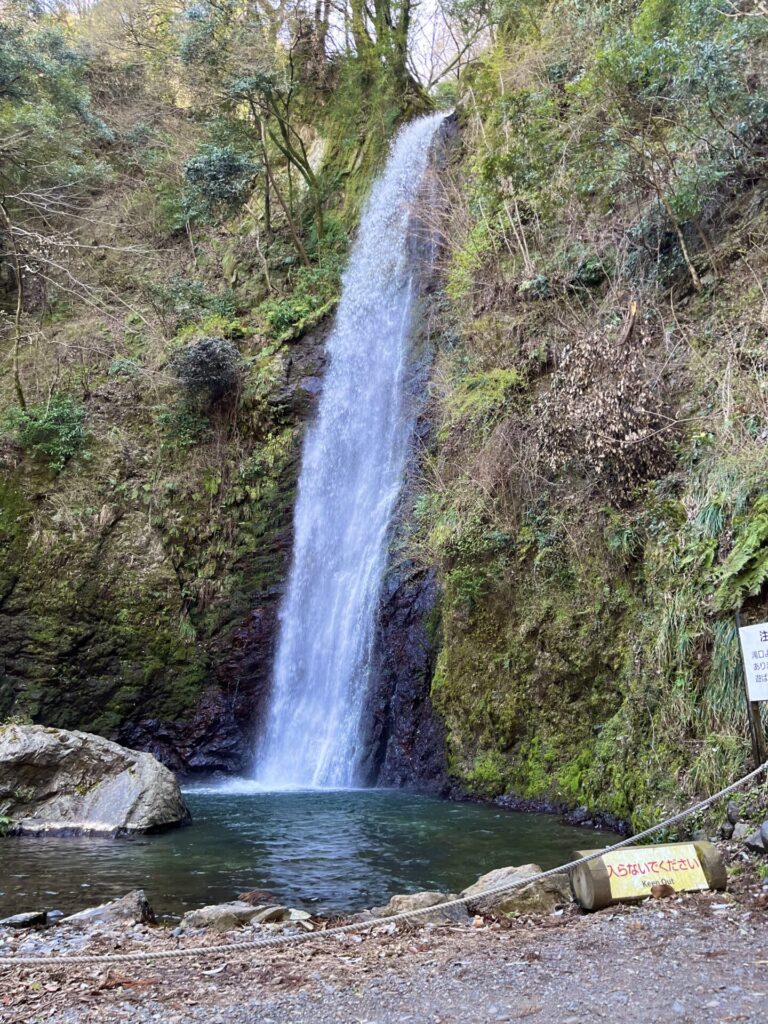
293, 939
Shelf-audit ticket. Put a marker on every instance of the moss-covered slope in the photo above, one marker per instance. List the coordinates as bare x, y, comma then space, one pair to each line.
596, 489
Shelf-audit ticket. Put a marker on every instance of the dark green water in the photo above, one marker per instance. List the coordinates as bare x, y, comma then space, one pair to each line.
324, 851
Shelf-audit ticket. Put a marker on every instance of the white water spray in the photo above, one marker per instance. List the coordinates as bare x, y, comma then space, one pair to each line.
352, 469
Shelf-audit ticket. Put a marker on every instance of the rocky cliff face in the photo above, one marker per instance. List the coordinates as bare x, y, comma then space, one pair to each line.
93, 600
406, 739
217, 736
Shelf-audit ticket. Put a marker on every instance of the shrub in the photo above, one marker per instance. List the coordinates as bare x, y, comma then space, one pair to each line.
122, 367
604, 414
283, 315
218, 178
53, 432
209, 370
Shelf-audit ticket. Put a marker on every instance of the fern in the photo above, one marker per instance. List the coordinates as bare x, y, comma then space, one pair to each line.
745, 571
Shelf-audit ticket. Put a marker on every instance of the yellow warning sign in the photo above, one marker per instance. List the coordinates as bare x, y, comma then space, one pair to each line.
632, 872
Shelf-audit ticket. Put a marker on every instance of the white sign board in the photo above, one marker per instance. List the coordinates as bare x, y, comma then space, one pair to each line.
754, 650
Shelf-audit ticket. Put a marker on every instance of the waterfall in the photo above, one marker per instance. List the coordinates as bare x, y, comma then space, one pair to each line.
351, 473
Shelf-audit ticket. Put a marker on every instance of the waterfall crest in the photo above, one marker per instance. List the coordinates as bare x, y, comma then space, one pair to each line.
352, 468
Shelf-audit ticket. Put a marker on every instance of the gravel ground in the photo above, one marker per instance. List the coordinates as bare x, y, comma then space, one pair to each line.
680, 959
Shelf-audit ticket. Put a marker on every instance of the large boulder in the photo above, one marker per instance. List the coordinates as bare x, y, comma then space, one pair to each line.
224, 917
424, 901
73, 783
539, 897
134, 908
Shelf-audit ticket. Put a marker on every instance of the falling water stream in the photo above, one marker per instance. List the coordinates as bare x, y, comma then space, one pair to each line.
352, 467
334, 848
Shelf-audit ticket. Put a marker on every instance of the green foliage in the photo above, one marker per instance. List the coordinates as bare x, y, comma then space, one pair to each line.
45, 105
313, 293
218, 179
183, 300
13, 515
671, 77
724, 691
595, 656
595, 269
466, 586
260, 475
532, 149
284, 315
53, 432
39, 66
487, 774
583, 656
745, 571
184, 426
516, 18
445, 95
540, 536
197, 39
480, 397
467, 260
122, 367
622, 535
189, 149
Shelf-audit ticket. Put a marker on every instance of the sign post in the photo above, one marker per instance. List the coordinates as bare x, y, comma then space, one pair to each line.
754, 653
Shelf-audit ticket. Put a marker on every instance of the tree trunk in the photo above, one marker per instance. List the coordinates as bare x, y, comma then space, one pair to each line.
363, 42
291, 226
4, 215
267, 202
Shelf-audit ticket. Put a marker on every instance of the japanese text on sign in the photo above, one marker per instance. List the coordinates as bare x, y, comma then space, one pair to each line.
754, 650
632, 873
